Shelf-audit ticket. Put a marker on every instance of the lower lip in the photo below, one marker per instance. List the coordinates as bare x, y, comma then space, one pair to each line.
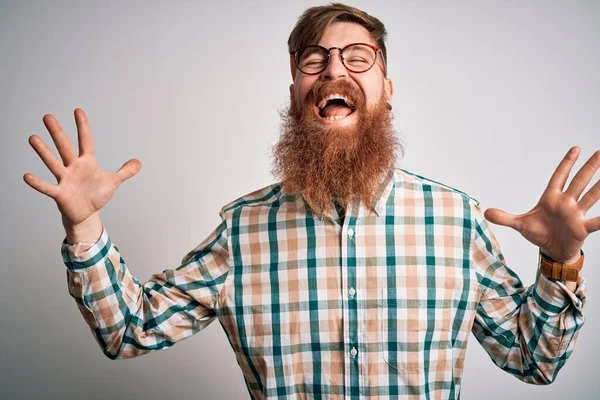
349, 119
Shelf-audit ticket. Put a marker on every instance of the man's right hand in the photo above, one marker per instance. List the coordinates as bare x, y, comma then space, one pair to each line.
83, 187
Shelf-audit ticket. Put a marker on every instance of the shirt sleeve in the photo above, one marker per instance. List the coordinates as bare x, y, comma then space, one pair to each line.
128, 318
528, 332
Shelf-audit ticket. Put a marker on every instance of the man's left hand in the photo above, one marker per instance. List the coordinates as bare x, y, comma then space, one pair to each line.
557, 223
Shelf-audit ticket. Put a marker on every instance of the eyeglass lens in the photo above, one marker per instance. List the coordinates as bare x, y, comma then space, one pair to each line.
356, 57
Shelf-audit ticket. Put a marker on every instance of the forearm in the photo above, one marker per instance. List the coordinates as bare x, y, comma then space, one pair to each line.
530, 332
98, 283
549, 324
128, 318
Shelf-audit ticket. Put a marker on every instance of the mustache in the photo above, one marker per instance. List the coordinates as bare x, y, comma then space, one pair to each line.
322, 88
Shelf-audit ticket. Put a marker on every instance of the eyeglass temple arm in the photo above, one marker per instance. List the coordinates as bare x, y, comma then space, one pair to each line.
384, 63
292, 68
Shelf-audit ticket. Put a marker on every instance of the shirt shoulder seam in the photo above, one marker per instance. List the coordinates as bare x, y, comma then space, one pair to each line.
260, 197
438, 184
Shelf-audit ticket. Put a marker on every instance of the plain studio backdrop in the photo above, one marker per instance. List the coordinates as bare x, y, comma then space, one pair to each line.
489, 96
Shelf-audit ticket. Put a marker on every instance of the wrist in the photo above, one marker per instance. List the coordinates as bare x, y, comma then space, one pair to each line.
571, 260
561, 270
89, 230
564, 260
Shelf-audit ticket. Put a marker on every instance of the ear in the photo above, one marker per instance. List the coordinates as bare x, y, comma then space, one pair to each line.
388, 89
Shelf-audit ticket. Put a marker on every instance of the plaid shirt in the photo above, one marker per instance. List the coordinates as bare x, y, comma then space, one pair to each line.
377, 304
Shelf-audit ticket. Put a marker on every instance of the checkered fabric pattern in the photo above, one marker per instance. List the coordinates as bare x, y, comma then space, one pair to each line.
373, 305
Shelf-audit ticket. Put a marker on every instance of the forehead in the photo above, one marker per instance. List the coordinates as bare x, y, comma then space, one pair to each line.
340, 34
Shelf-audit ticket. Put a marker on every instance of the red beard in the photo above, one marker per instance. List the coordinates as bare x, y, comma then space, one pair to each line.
327, 162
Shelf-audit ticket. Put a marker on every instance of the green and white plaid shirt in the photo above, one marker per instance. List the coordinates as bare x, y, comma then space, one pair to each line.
377, 304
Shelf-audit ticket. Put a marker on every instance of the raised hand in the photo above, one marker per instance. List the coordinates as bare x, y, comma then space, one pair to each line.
83, 188
557, 224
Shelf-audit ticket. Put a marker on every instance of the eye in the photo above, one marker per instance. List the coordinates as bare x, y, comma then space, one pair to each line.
357, 60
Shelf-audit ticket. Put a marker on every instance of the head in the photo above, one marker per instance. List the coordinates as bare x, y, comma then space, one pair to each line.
337, 139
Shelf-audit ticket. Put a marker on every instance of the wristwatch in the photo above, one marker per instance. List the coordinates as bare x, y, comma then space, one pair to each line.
558, 270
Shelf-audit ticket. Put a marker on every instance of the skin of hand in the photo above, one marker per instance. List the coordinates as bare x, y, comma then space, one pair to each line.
557, 224
82, 188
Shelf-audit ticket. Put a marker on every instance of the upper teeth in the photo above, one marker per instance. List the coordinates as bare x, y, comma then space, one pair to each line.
331, 97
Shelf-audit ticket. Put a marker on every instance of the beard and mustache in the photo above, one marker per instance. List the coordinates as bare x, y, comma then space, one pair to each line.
328, 163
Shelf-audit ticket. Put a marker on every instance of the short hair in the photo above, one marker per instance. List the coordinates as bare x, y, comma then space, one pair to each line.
315, 20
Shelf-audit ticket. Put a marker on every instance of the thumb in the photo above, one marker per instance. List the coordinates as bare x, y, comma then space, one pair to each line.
499, 217
129, 169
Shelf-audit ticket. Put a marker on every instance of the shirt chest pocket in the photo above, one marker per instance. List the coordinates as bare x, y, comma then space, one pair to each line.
415, 327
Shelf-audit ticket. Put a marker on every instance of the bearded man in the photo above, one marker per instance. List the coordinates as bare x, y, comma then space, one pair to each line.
349, 277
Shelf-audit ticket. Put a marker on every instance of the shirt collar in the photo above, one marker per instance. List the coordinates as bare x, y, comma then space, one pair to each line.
356, 209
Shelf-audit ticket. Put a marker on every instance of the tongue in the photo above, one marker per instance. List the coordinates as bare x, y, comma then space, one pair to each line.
333, 110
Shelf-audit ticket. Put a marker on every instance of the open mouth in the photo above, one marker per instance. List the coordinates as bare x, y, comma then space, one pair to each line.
335, 107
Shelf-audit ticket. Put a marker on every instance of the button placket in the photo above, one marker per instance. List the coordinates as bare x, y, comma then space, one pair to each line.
343, 238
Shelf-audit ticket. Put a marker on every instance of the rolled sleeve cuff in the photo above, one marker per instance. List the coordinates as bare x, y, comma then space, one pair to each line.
553, 296
79, 256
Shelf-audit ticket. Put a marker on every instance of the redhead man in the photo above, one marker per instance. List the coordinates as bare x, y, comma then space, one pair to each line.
348, 278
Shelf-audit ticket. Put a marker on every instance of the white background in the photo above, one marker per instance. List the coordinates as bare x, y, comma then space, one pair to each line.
489, 97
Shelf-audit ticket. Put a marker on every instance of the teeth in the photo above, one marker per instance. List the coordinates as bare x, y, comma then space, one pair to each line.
331, 97
335, 117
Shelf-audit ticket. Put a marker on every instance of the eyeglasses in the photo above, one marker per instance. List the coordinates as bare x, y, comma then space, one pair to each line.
356, 57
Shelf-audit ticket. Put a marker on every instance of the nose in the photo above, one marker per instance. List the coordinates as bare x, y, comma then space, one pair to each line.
335, 69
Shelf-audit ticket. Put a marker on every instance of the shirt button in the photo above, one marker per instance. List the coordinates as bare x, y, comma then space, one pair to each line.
351, 292
76, 280
353, 352
350, 232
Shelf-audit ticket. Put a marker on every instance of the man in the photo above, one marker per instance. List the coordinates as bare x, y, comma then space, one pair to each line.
349, 278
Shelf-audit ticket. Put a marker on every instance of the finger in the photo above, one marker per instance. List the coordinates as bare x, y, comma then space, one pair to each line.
41, 186
61, 140
583, 176
129, 169
590, 198
499, 217
52, 162
560, 175
84, 133
592, 225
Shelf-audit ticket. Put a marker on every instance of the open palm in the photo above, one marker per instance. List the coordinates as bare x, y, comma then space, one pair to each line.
83, 188
557, 224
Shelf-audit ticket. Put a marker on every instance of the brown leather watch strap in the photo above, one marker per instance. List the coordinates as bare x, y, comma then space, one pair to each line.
558, 270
